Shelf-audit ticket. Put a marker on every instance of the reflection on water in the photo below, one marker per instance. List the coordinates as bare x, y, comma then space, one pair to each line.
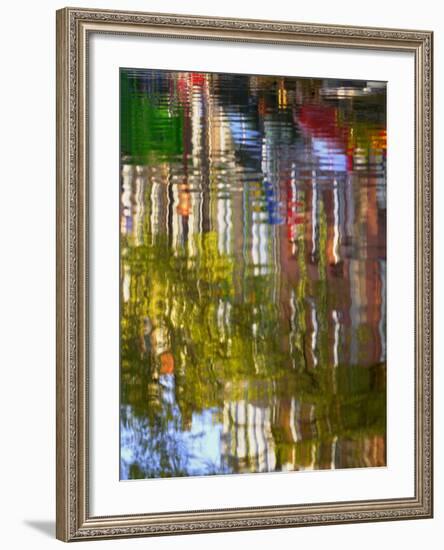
253, 274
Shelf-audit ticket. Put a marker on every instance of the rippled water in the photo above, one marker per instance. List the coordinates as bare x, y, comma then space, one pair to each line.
253, 274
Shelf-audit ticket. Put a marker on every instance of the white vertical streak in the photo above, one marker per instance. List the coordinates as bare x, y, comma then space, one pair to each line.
314, 333
292, 420
336, 222
314, 199
336, 337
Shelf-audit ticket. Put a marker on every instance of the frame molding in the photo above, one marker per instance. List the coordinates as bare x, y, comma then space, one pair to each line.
73, 521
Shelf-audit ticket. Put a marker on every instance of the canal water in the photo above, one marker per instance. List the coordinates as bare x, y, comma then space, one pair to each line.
252, 274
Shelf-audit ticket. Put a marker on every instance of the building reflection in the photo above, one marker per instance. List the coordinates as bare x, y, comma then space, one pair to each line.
253, 274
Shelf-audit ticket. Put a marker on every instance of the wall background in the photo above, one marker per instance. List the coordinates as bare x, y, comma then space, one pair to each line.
27, 271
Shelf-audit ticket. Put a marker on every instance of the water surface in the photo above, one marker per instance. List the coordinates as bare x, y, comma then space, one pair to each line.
253, 274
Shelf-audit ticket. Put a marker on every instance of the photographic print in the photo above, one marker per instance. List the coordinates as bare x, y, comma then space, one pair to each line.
225, 312
252, 273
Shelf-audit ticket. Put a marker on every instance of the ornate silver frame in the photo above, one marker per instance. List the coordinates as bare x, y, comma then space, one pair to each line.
74, 521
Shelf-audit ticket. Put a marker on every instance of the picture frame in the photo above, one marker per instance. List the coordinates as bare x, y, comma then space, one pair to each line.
75, 216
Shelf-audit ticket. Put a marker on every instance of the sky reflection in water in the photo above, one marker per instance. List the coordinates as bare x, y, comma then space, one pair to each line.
253, 274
